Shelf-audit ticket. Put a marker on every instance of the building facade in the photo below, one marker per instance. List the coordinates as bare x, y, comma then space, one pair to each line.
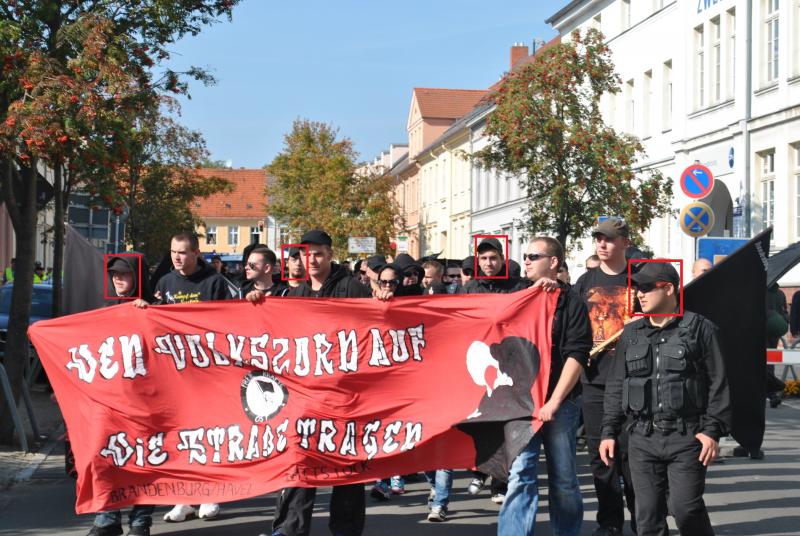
710, 81
235, 219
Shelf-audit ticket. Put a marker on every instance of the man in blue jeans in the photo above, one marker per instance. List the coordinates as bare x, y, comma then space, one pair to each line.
560, 415
441, 482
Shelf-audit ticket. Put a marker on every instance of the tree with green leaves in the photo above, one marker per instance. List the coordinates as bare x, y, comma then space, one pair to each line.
76, 76
160, 181
316, 183
548, 130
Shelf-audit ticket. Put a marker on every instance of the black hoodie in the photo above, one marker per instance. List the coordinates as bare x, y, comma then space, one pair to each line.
494, 286
131, 260
339, 284
205, 284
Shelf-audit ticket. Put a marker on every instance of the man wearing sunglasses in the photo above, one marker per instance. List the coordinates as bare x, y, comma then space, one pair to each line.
452, 277
560, 415
605, 291
669, 376
258, 269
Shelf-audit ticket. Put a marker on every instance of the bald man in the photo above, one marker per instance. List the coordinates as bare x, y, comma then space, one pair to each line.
700, 267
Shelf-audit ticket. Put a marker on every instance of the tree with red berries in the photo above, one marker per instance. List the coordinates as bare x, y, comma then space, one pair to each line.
547, 129
77, 75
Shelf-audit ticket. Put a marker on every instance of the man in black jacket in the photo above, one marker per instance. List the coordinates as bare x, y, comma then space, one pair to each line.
669, 375
192, 280
296, 505
492, 277
259, 267
571, 344
491, 264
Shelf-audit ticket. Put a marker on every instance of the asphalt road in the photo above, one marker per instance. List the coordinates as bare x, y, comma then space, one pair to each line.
745, 497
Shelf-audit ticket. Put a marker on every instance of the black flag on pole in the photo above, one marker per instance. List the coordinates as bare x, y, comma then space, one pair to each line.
733, 296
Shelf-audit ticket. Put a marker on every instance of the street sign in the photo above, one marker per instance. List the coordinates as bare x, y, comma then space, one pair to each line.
361, 244
402, 244
717, 248
696, 219
697, 181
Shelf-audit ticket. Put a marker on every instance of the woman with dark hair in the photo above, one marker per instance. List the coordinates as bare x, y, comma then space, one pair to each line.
390, 284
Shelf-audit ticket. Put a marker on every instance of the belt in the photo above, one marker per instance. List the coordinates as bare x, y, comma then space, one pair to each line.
665, 426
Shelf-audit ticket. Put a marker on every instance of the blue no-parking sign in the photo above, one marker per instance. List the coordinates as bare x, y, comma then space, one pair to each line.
697, 181
717, 248
696, 219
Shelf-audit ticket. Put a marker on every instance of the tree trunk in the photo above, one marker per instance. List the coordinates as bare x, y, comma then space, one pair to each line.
58, 240
22, 211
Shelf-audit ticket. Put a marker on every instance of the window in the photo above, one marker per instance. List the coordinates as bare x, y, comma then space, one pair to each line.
796, 33
716, 60
731, 52
646, 103
626, 14
211, 235
772, 41
699, 65
255, 234
233, 235
666, 116
795, 165
630, 109
767, 171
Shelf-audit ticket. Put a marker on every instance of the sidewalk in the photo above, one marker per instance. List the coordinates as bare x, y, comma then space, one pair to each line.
16, 465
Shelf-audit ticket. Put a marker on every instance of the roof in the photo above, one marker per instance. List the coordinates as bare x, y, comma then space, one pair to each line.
563, 11
447, 103
247, 200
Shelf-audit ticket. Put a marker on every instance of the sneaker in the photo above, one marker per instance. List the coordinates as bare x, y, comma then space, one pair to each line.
179, 512
437, 514
208, 511
380, 491
398, 485
476, 486
112, 530
139, 531
498, 498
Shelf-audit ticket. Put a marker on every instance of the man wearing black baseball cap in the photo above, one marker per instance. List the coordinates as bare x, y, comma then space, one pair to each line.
492, 277
326, 279
669, 376
605, 291
467, 269
296, 268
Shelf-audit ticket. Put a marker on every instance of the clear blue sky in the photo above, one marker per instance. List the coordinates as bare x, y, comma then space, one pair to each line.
346, 62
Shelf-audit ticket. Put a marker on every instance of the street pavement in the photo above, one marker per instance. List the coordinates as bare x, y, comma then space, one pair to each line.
745, 497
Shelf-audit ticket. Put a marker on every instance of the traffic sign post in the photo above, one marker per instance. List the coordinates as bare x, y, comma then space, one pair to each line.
361, 244
697, 181
715, 249
696, 219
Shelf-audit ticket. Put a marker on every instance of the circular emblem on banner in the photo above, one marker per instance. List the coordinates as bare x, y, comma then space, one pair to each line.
263, 395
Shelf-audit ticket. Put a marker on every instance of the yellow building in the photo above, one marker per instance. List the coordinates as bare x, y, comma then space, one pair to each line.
234, 219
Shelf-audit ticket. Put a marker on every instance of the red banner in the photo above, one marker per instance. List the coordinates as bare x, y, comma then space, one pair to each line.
214, 402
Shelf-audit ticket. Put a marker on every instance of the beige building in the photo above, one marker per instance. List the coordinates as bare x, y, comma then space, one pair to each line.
431, 113
235, 219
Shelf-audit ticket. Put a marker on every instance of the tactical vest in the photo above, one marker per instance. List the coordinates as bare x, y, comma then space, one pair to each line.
665, 376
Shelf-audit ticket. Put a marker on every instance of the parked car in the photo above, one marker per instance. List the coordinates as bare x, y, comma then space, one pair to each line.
41, 308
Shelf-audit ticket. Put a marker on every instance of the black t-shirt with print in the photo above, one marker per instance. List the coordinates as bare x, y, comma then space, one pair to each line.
606, 298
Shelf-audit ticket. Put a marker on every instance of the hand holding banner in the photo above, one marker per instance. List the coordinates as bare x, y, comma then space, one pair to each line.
219, 401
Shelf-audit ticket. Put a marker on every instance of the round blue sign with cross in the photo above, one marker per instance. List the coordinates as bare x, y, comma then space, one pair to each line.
696, 219
697, 181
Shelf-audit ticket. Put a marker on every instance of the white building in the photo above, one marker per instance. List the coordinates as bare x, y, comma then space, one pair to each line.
714, 81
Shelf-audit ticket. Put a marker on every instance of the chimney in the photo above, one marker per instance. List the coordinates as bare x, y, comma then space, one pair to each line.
518, 52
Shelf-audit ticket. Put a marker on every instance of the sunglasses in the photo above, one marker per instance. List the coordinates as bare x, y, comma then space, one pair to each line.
252, 266
453, 276
410, 274
534, 256
644, 288
362, 272
388, 282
